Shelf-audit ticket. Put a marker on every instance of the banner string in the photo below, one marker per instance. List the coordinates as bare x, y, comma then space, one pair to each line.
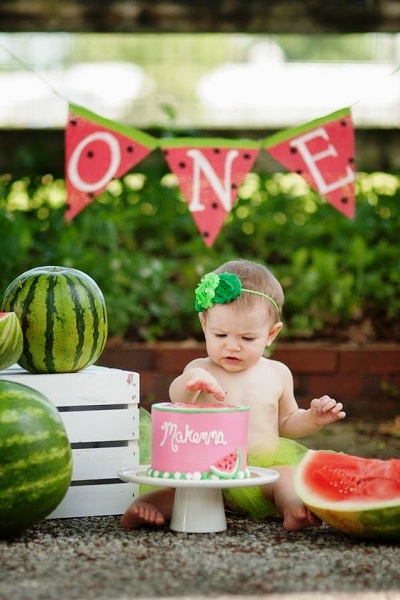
34, 72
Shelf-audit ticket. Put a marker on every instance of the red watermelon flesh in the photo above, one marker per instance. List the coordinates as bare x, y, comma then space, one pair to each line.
209, 178
97, 151
338, 479
358, 496
228, 466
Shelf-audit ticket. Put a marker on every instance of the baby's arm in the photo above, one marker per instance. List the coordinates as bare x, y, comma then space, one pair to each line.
295, 422
194, 380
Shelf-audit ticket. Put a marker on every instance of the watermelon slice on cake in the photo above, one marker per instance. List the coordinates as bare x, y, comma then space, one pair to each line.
97, 151
209, 173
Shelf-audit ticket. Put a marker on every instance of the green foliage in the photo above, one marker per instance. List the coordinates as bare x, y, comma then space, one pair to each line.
140, 244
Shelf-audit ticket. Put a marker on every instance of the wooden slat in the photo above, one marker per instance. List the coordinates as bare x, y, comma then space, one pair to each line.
102, 425
103, 463
376, 150
91, 386
252, 16
96, 500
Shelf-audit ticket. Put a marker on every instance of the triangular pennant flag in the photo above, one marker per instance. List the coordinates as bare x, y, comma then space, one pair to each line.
322, 152
209, 172
96, 151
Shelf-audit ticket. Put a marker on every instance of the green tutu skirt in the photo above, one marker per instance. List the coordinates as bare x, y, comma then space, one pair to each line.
249, 501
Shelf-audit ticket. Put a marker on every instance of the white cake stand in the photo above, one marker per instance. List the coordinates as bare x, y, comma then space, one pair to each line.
198, 505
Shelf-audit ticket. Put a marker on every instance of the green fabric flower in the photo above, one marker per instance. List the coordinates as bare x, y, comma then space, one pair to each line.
217, 289
205, 291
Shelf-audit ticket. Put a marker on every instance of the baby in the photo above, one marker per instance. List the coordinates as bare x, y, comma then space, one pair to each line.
239, 307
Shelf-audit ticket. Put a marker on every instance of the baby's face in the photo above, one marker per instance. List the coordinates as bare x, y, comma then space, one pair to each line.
236, 339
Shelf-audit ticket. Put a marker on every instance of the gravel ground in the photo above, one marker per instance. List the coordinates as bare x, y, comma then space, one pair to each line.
93, 558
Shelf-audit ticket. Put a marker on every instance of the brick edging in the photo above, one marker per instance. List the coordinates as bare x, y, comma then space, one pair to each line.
359, 375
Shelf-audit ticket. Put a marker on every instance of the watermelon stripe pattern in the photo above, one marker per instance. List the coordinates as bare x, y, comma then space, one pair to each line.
63, 318
35, 458
11, 340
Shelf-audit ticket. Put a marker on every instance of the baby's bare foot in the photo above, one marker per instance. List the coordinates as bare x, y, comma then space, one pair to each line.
141, 513
298, 516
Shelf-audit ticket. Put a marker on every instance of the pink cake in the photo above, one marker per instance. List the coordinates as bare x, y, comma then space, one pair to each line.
193, 441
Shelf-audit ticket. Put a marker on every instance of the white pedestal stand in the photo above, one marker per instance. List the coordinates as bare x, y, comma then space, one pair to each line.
198, 505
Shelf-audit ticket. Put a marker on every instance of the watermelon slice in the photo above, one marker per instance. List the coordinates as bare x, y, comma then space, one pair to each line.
98, 150
229, 466
322, 152
209, 173
358, 496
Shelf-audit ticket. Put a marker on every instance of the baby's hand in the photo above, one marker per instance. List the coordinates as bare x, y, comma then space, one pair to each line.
326, 410
206, 383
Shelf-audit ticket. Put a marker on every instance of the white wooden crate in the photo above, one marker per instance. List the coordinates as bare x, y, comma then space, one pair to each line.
99, 408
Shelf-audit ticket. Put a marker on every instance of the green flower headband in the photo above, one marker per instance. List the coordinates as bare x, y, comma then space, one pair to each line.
222, 288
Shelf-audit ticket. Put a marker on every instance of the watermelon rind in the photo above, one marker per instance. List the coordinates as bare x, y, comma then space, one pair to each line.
35, 458
11, 340
63, 317
373, 517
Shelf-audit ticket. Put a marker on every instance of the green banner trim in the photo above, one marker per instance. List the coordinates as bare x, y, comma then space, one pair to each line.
287, 134
184, 142
136, 134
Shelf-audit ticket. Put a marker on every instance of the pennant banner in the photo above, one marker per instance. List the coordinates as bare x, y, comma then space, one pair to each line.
209, 173
322, 152
96, 151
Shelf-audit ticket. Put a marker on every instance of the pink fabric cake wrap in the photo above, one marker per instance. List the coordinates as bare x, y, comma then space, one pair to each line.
190, 441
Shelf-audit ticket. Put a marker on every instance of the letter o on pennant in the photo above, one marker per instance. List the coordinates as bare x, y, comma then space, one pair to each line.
115, 161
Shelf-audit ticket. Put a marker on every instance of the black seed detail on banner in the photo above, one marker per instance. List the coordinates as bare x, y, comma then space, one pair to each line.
214, 205
299, 172
165, 152
234, 186
293, 150
344, 200
343, 123
182, 165
246, 156
217, 150
74, 122
351, 160
90, 154
206, 234
91, 195
130, 149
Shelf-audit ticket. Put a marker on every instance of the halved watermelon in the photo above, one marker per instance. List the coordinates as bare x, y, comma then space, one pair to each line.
358, 496
229, 466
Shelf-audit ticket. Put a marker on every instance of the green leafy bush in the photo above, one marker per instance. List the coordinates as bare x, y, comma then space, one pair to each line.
139, 242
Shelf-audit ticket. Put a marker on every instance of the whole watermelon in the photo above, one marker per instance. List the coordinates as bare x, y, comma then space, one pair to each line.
11, 339
63, 318
35, 458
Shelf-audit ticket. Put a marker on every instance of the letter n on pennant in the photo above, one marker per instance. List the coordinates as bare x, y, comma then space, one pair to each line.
209, 173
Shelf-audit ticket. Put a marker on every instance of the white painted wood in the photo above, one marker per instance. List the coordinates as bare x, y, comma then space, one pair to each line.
103, 463
102, 425
93, 385
95, 500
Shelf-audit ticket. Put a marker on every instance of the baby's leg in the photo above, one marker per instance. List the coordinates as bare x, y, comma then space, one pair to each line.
153, 508
282, 494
